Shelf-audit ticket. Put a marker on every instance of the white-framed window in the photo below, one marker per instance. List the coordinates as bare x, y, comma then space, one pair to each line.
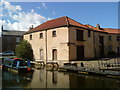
17, 39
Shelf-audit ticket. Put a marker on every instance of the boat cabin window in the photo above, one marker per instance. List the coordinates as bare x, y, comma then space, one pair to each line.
7, 62
22, 63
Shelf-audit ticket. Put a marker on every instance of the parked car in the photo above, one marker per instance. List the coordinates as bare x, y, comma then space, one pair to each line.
7, 53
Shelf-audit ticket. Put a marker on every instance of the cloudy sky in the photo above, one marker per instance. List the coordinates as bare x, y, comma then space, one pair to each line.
21, 15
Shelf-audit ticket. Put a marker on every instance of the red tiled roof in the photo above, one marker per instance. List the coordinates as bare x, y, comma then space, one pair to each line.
107, 30
93, 28
62, 21
110, 30
66, 21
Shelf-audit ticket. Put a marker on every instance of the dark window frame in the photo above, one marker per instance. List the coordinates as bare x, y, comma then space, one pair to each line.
89, 33
41, 35
110, 38
54, 34
118, 38
110, 48
80, 35
31, 37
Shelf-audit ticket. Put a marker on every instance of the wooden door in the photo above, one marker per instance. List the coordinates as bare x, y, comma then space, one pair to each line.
80, 52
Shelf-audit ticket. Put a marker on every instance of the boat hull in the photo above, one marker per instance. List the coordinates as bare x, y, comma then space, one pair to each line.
17, 70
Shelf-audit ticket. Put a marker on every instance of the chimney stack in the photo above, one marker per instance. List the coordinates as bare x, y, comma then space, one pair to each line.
31, 27
98, 26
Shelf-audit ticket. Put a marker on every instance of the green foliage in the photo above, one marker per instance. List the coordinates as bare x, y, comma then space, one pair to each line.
24, 51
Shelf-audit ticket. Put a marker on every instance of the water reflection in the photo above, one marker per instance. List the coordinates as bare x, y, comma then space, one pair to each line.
83, 81
15, 80
41, 78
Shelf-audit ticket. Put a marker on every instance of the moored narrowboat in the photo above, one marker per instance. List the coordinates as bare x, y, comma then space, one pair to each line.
17, 65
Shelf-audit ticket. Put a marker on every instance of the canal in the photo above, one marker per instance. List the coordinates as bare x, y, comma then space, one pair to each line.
41, 78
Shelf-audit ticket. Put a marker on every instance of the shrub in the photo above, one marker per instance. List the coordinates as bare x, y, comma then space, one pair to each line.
24, 51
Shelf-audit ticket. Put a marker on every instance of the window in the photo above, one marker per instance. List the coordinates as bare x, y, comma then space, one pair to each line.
89, 33
41, 35
41, 54
110, 48
17, 39
30, 37
9, 39
16, 46
118, 51
118, 38
54, 34
8, 48
110, 38
101, 40
79, 35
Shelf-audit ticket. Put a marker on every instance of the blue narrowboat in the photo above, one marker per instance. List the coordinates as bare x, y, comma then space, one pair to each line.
16, 64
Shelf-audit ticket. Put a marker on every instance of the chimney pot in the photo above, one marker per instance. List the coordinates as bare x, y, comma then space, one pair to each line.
98, 26
32, 27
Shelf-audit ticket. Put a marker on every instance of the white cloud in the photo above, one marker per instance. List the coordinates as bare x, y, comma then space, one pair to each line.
18, 8
16, 19
43, 5
10, 7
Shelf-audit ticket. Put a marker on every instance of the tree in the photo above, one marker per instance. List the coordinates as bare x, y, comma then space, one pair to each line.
24, 50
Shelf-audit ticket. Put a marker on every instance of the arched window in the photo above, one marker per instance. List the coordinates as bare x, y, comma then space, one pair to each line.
54, 54
41, 54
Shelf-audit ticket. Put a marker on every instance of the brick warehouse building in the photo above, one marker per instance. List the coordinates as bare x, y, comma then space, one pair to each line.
64, 39
10, 39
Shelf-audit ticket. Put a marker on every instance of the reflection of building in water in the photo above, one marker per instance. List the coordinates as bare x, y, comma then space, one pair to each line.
54, 77
10, 79
76, 81
49, 79
87, 81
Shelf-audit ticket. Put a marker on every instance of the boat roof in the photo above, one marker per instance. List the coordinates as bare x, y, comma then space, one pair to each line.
12, 59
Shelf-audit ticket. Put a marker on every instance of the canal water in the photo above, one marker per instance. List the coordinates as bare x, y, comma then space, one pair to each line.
41, 78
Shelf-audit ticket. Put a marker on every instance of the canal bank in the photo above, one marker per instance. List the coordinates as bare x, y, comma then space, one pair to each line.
105, 67
109, 67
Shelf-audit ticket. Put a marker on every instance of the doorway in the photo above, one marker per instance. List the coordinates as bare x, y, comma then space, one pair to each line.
101, 46
118, 51
54, 54
80, 52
